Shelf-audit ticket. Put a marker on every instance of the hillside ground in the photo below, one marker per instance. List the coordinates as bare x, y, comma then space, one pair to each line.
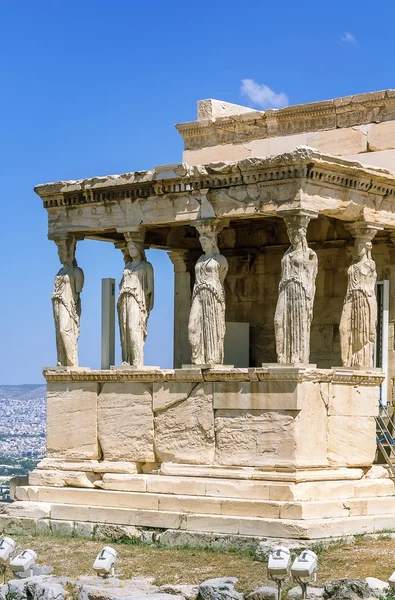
73, 557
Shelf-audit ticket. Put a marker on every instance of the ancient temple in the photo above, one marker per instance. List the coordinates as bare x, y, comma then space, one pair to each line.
282, 221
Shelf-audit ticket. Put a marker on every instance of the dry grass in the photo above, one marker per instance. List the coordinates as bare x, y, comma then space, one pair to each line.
73, 557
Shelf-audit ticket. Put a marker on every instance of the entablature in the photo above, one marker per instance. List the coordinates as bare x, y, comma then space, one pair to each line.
248, 189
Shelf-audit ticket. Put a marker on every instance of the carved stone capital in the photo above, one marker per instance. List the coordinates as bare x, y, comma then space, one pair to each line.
363, 231
133, 233
210, 226
66, 243
179, 260
297, 217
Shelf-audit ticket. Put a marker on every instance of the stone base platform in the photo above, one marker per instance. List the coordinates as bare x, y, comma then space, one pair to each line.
277, 451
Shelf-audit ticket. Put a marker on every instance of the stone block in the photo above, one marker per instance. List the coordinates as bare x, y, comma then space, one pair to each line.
367, 488
191, 486
184, 430
384, 159
190, 505
348, 140
253, 490
72, 420
30, 510
62, 528
256, 395
311, 424
122, 482
311, 491
350, 401
351, 441
87, 466
250, 508
381, 136
98, 498
57, 478
259, 438
69, 512
219, 524
84, 530
171, 520
125, 422
43, 527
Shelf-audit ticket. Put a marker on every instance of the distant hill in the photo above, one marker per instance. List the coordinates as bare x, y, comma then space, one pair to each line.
26, 391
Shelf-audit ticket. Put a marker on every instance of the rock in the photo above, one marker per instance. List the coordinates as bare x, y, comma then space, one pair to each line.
222, 588
62, 528
377, 586
267, 546
45, 590
38, 571
347, 589
94, 588
377, 472
189, 592
116, 533
263, 593
84, 530
17, 590
312, 592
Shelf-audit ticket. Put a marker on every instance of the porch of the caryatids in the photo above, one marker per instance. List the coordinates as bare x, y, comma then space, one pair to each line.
359, 315
66, 301
294, 310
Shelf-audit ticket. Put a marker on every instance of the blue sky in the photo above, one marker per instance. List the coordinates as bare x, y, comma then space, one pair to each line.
93, 87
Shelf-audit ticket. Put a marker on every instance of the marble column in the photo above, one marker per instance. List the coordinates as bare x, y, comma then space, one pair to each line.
66, 301
294, 311
182, 307
358, 320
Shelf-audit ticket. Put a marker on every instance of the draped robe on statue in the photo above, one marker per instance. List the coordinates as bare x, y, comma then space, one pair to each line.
207, 317
294, 311
135, 303
359, 316
67, 311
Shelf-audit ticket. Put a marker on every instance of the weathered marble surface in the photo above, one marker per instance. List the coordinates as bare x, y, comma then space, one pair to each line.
206, 326
135, 302
294, 311
66, 302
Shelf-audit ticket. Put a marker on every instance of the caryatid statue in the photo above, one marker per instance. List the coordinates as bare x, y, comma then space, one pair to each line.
358, 320
136, 300
206, 328
66, 302
294, 311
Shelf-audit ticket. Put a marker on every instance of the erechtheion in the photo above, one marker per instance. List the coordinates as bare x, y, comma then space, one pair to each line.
281, 223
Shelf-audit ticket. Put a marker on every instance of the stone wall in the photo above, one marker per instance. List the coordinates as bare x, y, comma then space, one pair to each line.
262, 418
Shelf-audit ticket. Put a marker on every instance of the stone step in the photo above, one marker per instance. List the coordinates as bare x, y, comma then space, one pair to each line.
225, 488
232, 507
246, 526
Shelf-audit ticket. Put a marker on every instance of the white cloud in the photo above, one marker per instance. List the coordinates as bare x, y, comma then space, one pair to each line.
348, 38
261, 95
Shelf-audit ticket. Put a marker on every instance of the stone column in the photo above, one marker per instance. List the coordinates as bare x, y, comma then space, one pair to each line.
294, 311
182, 307
66, 302
358, 320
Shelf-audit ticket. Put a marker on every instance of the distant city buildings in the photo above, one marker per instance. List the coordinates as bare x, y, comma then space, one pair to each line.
22, 431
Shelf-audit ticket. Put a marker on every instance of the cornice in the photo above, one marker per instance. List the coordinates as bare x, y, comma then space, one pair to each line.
302, 164
274, 373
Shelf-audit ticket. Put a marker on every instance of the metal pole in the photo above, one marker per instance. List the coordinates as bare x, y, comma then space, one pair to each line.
107, 323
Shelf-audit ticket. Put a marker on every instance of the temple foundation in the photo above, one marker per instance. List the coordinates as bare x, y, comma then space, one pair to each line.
274, 451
